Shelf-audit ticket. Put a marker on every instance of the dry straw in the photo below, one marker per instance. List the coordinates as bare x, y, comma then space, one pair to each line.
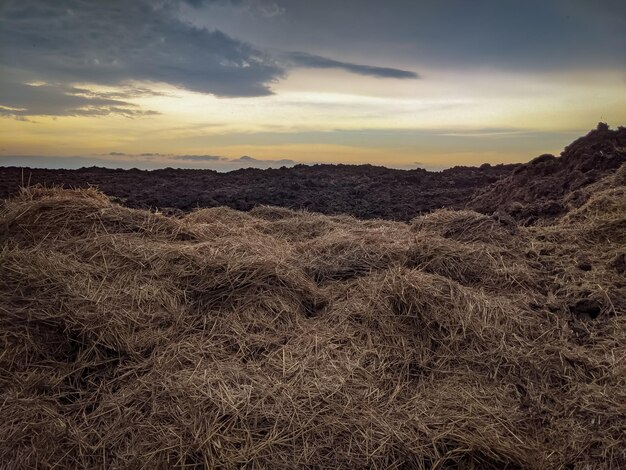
281, 339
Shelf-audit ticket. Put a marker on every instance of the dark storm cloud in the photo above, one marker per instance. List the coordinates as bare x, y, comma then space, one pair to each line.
302, 59
116, 42
516, 35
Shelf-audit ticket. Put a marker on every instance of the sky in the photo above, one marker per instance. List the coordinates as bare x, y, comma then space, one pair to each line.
226, 84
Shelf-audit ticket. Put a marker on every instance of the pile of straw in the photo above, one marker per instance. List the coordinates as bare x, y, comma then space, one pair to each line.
279, 339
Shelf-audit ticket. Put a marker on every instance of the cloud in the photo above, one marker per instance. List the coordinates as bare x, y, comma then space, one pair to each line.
61, 100
114, 42
256, 162
117, 43
126, 92
168, 158
262, 8
143, 161
302, 59
199, 158
200, 161
452, 35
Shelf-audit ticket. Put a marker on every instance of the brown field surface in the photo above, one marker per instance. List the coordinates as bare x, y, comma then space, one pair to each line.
275, 338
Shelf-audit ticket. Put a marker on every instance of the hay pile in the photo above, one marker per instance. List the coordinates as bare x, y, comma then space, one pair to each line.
277, 339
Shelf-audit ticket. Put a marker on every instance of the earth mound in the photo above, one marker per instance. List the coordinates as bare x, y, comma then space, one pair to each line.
277, 338
549, 186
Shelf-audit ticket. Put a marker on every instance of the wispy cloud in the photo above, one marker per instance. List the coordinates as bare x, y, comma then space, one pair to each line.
302, 59
247, 160
199, 158
45, 99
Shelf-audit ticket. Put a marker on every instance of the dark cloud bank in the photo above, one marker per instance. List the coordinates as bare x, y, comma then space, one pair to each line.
57, 43
527, 36
146, 161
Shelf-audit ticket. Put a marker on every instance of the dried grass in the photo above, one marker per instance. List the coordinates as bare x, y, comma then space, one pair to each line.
280, 339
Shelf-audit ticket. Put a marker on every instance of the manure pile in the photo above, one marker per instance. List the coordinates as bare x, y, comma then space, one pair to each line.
549, 186
282, 339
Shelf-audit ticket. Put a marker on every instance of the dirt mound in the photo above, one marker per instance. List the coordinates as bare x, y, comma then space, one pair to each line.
548, 186
277, 338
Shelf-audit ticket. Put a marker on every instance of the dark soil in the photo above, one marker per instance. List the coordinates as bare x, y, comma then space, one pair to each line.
364, 191
541, 190
537, 190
